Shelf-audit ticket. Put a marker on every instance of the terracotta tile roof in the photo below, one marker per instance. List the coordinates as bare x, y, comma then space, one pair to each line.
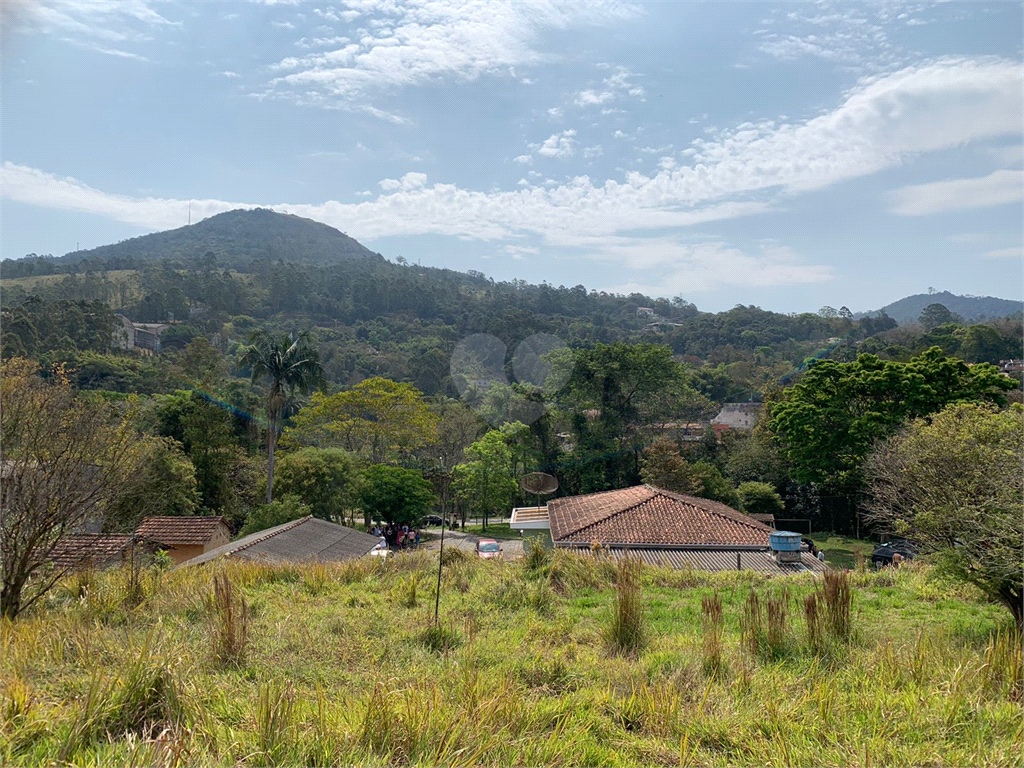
96, 549
180, 530
645, 515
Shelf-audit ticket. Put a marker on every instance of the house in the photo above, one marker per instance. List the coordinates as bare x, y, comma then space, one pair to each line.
79, 551
141, 336
185, 537
307, 539
663, 528
739, 416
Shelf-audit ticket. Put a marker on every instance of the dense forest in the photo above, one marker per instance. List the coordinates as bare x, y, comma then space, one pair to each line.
620, 375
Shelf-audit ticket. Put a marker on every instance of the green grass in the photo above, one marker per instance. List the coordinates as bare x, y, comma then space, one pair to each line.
497, 531
522, 670
840, 551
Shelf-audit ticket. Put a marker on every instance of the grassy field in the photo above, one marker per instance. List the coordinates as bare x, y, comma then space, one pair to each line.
497, 531
341, 666
841, 551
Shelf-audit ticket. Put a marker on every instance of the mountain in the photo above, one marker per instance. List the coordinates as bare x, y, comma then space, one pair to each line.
908, 309
237, 236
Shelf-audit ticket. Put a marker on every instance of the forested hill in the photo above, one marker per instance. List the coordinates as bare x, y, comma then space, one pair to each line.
236, 238
908, 309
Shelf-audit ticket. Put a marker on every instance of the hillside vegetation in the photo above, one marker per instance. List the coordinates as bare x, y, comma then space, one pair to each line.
340, 665
909, 308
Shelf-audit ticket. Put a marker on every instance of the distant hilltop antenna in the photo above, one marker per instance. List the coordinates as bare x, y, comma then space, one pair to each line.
539, 484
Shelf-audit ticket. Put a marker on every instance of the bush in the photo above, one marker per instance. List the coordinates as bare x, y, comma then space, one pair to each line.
760, 499
711, 623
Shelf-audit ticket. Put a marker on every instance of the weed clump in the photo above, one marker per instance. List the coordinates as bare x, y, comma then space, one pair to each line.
711, 623
838, 597
627, 633
230, 623
408, 590
440, 638
275, 722
535, 556
765, 627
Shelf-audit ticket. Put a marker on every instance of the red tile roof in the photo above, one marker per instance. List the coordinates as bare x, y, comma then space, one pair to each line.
645, 515
180, 530
96, 549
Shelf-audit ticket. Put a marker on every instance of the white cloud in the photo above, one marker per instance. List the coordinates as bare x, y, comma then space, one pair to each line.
682, 268
998, 188
1006, 253
423, 41
879, 124
591, 152
555, 112
408, 182
283, 24
226, 73
558, 145
88, 23
525, 159
590, 98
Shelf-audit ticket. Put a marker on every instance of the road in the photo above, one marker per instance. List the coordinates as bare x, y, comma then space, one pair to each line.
467, 542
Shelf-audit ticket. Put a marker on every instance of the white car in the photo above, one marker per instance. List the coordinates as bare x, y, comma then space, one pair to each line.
381, 550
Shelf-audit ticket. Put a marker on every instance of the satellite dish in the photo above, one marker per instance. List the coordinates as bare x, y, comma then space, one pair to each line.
539, 484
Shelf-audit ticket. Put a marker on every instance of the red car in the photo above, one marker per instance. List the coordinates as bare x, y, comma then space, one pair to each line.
488, 549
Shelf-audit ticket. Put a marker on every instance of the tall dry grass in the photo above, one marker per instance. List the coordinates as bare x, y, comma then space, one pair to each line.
230, 616
627, 633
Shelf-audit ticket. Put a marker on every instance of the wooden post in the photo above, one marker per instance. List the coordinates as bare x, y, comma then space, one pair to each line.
738, 566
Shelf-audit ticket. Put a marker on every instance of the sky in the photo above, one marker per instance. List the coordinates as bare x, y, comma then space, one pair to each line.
789, 156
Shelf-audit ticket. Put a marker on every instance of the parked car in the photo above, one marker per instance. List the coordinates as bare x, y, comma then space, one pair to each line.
431, 521
488, 549
882, 554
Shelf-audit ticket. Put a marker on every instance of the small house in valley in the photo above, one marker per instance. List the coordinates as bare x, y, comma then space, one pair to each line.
305, 540
663, 528
185, 537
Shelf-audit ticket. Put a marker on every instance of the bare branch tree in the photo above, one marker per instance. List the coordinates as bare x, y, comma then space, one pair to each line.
62, 459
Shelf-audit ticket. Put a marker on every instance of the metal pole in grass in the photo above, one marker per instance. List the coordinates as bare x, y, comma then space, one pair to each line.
440, 561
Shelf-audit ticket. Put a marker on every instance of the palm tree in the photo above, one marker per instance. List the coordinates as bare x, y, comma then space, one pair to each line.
292, 363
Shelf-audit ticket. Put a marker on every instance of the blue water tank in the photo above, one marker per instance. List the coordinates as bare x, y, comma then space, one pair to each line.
785, 541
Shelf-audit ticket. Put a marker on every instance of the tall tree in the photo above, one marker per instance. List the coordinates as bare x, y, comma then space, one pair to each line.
486, 482
828, 422
324, 479
954, 485
395, 494
381, 419
291, 364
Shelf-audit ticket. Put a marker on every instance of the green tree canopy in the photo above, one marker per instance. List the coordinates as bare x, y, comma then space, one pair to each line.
324, 479
486, 482
395, 494
760, 499
278, 512
954, 485
378, 418
828, 422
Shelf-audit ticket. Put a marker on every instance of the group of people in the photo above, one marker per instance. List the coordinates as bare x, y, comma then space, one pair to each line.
398, 536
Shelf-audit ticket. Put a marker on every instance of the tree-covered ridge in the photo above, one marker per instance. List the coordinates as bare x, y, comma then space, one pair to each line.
240, 236
909, 308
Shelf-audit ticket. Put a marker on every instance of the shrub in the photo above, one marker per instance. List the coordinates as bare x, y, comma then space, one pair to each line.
535, 555
408, 590
627, 632
231, 622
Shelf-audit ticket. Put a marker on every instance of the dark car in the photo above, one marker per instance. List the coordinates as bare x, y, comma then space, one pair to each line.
431, 520
883, 553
